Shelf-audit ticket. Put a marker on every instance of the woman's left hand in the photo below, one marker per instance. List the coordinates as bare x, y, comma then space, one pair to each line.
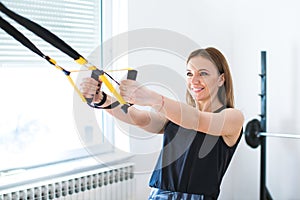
136, 93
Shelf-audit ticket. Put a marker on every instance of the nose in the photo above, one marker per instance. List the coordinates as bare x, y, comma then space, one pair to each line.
195, 79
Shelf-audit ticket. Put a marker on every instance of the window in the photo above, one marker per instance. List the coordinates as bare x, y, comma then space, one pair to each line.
75, 21
36, 108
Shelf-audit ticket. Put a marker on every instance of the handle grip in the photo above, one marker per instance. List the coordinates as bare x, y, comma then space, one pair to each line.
95, 75
132, 74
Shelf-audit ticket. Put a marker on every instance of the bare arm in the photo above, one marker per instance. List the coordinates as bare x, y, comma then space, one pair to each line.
228, 123
153, 122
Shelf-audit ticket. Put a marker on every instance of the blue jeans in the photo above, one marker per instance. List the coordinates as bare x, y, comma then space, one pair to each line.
158, 194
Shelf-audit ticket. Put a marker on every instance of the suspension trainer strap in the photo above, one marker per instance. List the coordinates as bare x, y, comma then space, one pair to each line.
19, 36
12, 31
59, 44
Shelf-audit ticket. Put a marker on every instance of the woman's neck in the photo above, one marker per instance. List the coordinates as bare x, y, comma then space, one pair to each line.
209, 106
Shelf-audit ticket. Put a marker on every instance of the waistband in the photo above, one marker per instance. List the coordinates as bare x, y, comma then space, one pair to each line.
159, 194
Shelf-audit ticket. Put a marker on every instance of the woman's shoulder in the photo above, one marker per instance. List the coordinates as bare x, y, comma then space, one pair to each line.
233, 111
233, 115
235, 119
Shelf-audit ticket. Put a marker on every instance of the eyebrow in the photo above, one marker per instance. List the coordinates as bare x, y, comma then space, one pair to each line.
198, 70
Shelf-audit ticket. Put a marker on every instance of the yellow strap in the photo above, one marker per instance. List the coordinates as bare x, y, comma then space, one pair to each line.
76, 89
58, 67
116, 70
81, 61
92, 68
52, 61
112, 89
79, 70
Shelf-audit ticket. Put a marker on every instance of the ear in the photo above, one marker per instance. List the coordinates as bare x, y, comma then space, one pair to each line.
221, 80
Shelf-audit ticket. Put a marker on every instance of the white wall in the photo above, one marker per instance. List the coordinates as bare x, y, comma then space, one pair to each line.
241, 29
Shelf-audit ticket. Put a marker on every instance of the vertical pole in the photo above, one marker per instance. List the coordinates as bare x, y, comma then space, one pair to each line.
263, 123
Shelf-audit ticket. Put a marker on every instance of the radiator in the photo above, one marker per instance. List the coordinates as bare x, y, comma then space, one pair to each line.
108, 183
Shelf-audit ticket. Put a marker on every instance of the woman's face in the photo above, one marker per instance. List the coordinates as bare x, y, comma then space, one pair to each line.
203, 79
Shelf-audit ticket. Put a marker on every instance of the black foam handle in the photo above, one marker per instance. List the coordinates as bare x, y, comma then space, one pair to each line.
95, 75
132, 74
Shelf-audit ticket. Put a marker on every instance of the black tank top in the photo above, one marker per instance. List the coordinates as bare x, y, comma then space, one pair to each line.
191, 162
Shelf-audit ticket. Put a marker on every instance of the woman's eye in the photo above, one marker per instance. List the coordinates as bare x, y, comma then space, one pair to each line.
189, 74
203, 73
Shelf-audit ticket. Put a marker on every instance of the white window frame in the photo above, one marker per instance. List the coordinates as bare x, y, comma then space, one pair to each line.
107, 7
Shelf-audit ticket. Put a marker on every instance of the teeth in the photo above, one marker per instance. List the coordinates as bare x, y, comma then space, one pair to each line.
197, 89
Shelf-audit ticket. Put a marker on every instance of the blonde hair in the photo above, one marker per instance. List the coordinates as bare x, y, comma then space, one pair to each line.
225, 93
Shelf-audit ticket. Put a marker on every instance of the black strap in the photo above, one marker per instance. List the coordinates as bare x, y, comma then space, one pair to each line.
103, 100
19, 36
111, 106
12, 31
50, 38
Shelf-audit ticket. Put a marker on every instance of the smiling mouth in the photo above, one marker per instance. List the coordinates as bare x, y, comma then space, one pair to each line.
196, 90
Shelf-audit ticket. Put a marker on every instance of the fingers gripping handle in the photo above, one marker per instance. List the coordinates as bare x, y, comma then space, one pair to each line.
132, 74
95, 75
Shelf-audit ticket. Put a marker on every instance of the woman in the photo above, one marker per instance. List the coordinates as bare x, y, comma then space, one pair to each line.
200, 137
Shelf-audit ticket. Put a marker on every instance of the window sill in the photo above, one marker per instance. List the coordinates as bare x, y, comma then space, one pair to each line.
26, 176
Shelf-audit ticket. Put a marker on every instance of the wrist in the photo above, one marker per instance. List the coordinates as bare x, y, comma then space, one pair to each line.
158, 103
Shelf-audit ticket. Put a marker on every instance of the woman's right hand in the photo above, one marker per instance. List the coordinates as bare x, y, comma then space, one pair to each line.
90, 88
